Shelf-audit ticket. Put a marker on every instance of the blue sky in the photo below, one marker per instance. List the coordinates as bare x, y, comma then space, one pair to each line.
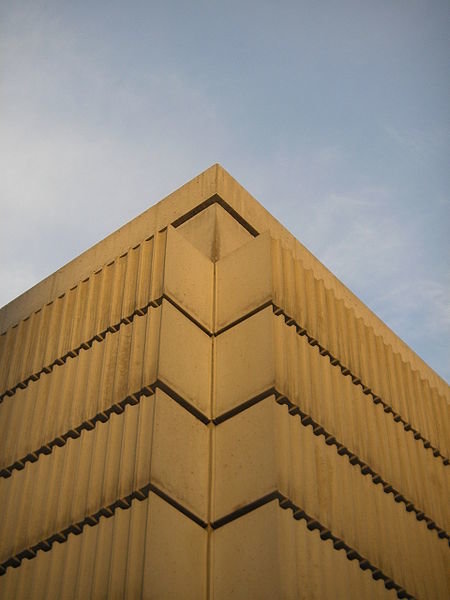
333, 114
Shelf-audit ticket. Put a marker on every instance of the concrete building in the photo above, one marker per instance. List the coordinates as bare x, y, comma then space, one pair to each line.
197, 408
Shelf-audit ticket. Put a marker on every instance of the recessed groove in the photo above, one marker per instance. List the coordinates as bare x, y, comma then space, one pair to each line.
187, 315
244, 510
243, 318
244, 406
278, 311
93, 519
102, 417
181, 401
216, 199
185, 511
98, 337
294, 410
236, 216
354, 460
357, 381
195, 211
299, 514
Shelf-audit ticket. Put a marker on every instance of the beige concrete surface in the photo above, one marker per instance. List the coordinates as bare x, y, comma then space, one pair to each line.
130, 555
264, 449
267, 554
213, 182
155, 441
196, 365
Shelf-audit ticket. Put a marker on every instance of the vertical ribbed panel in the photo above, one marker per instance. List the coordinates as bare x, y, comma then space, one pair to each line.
133, 554
102, 300
336, 328
267, 554
335, 493
74, 471
89, 383
343, 410
251, 463
87, 431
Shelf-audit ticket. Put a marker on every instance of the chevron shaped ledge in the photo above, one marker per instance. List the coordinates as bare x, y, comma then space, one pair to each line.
196, 408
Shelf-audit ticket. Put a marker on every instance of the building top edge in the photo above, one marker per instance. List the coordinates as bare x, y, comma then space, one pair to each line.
214, 182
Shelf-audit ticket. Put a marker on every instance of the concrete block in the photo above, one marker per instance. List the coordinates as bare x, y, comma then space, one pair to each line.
243, 280
244, 362
245, 465
189, 278
185, 355
245, 557
180, 455
131, 555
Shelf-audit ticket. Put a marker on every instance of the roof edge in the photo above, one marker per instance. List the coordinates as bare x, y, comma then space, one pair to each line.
215, 181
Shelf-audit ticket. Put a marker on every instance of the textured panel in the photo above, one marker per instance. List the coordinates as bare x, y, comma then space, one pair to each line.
77, 480
263, 270
354, 343
310, 381
267, 554
86, 311
325, 485
131, 555
82, 387
155, 441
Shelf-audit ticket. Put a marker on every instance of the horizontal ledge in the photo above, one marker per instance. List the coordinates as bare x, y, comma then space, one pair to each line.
293, 410
364, 468
335, 362
325, 534
93, 519
102, 417
290, 322
216, 199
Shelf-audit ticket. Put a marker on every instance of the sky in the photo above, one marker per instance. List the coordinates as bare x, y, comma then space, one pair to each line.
334, 114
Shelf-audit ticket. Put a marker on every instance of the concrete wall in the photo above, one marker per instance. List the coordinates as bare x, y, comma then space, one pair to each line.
196, 408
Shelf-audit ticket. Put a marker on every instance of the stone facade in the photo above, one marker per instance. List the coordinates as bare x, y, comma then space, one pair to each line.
197, 408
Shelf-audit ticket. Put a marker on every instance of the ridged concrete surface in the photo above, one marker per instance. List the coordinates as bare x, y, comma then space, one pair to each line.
208, 413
